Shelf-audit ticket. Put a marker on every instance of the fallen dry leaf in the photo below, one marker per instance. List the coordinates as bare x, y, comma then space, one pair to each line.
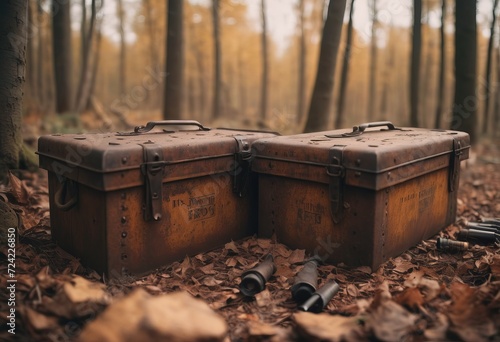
325, 327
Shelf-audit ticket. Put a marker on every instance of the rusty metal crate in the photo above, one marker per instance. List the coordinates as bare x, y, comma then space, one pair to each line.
359, 197
130, 202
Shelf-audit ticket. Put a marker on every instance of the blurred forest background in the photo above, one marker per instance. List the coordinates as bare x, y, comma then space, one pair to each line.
105, 64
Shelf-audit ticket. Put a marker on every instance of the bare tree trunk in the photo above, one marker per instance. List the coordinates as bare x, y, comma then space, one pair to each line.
465, 101
83, 93
265, 63
427, 68
388, 70
317, 118
345, 70
40, 56
496, 126
415, 62
371, 105
31, 91
217, 60
442, 61
301, 87
152, 34
13, 39
122, 80
95, 66
61, 43
489, 92
172, 105
242, 83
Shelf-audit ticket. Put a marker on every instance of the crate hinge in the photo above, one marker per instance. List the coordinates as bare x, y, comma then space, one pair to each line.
454, 165
241, 170
152, 170
336, 171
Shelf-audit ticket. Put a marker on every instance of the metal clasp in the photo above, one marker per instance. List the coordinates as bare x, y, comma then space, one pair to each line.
242, 162
152, 169
336, 171
454, 165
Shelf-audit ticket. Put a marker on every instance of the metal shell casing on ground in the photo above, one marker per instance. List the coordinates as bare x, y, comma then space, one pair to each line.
254, 280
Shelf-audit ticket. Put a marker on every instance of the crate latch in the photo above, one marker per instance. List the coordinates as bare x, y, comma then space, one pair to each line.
336, 171
241, 170
152, 170
454, 167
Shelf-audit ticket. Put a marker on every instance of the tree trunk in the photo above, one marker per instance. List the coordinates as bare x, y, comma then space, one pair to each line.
388, 70
172, 106
61, 43
465, 102
31, 91
345, 71
265, 63
242, 83
442, 60
153, 95
217, 61
427, 68
318, 115
301, 87
13, 39
496, 126
95, 67
373, 66
84, 84
122, 80
415, 61
489, 92
40, 56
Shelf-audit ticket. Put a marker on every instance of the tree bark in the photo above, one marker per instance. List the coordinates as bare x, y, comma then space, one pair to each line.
302, 64
442, 61
415, 62
487, 76
373, 66
217, 61
497, 102
40, 56
122, 70
319, 107
13, 40
95, 66
172, 106
62, 54
265, 63
31, 89
465, 101
345, 71
83, 93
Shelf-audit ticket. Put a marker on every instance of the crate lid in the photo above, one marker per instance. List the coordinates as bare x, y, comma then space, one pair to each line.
83, 156
371, 158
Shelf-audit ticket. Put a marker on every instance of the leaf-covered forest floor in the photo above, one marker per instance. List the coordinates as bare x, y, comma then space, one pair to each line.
423, 294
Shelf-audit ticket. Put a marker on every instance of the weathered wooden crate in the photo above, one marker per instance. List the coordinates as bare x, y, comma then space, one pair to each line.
359, 197
131, 202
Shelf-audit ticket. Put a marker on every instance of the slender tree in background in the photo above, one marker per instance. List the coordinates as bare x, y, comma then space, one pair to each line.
172, 105
62, 54
87, 32
487, 76
265, 63
345, 71
427, 65
415, 61
497, 102
97, 57
31, 89
373, 65
302, 63
442, 61
122, 80
13, 38
465, 101
40, 55
217, 60
390, 50
318, 115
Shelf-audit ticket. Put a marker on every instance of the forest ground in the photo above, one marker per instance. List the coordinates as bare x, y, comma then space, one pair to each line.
423, 294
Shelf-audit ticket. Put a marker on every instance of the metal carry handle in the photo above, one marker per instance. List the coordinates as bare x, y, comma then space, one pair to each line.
151, 124
360, 129
60, 196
